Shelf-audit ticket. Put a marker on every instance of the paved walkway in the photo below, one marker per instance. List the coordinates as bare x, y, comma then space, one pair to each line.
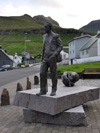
12, 121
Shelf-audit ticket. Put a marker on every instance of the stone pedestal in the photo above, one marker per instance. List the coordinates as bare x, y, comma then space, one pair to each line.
36, 80
19, 87
5, 98
66, 98
28, 85
75, 117
51, 109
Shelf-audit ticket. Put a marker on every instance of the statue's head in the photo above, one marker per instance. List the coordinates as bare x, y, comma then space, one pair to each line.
47, 27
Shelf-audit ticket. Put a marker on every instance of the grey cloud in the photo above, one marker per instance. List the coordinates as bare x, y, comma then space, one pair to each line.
48, 3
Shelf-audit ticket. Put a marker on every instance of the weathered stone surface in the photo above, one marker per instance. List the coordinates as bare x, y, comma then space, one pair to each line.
28, 85
5, 98
72, 117
36, 80
19, 87
66, 98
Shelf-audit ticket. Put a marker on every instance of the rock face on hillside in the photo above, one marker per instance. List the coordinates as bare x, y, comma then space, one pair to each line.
40, 19
92, 27
39, 31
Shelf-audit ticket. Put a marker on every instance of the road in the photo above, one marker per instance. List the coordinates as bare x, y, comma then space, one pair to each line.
13, 75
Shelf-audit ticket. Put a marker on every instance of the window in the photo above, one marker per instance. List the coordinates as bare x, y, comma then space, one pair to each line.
82, 52
73, 51
87, 51
70, 52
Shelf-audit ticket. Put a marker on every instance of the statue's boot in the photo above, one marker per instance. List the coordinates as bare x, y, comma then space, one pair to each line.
41, 93
53, 93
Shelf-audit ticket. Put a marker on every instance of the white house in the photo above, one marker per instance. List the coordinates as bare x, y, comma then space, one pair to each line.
65, 59
74, 46
64, 55
91, 48
98, 42
16, 59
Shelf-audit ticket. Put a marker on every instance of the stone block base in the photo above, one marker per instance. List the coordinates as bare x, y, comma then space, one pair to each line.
66, 98
73, 117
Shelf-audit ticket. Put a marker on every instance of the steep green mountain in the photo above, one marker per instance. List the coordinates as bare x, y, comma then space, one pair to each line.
15, 42
20, 22
24, 22
13, 29
40, 19
92, 27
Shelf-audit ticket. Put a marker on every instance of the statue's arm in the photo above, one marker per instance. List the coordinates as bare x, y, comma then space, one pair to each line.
59, 46
43, 46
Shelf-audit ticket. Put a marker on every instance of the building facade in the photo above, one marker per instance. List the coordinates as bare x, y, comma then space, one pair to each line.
91, 48
98, 42
5, 59
75, 45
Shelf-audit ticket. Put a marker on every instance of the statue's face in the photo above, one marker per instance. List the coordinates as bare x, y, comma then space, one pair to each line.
47, 28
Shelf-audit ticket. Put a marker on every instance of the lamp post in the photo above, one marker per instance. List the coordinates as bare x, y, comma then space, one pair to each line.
25, 47
25, 43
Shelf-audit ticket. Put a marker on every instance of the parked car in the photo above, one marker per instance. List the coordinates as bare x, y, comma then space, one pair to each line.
6, 67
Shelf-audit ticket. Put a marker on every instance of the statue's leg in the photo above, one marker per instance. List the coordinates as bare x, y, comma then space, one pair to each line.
53, 68
43, 77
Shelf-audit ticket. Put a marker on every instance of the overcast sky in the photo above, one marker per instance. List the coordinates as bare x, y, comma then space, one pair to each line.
68, 13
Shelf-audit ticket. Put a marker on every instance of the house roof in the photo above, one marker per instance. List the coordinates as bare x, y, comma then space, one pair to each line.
82, 36
6, 54
89, 43
17, 59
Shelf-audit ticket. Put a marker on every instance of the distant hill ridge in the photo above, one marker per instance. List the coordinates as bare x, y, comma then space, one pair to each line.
40, 19
24, 22
91, 27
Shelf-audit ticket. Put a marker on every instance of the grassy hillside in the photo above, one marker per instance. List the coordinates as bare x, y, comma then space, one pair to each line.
22, 22
91, 27
18, 23
16, 42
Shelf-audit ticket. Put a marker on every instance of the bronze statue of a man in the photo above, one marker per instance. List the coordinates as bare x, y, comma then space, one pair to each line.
52, 46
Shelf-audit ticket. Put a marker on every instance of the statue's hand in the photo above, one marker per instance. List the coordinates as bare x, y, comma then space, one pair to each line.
52, 57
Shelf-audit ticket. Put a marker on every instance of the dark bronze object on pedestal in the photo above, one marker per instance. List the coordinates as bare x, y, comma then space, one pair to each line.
52, 46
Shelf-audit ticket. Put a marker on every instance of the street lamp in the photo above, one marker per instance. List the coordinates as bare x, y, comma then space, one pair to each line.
25, 44
25, 48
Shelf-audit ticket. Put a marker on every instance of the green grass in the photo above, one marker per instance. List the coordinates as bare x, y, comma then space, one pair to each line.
66, 37
20, 22
32, 47
16, 42
77, 67
18, 37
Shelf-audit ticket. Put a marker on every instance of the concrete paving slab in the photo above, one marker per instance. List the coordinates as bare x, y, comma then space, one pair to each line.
11, 117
